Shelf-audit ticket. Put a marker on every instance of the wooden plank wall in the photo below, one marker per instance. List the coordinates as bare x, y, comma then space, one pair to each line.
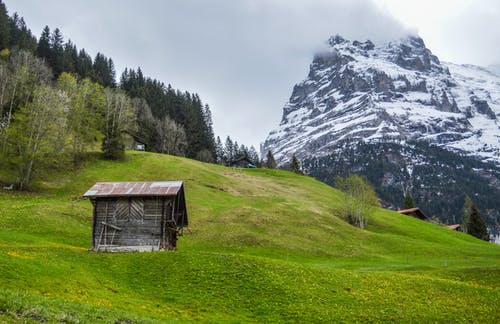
138, 218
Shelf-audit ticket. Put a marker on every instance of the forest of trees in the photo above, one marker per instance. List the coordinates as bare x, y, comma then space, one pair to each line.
231, 150
57, 103
167, 115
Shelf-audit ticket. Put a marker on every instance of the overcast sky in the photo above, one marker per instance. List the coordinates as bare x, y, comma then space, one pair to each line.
244, 56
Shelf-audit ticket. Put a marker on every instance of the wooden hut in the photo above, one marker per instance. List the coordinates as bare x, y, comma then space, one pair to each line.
137, 216
414, 212
242, 162
134, 141
455, 227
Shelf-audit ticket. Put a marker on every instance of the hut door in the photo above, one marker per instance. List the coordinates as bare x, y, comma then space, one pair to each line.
131, 210
137, 210
121, 211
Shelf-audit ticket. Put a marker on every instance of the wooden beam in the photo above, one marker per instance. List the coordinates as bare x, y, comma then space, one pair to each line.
162, 227
94, 217
112, 226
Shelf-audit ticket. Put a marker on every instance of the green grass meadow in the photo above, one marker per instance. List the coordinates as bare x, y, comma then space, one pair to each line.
262, 246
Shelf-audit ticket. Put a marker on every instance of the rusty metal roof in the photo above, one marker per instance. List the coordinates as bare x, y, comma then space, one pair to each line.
414, 212
120, 189
410, 210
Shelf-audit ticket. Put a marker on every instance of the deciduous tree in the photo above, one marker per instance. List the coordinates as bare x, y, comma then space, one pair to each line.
360, 199
118, 117
84, 114
35, 131
172, 136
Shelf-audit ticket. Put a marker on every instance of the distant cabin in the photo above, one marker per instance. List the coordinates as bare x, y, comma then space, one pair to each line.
137, 216
138, 146
134, 142
242, 162
414, 212
455, 227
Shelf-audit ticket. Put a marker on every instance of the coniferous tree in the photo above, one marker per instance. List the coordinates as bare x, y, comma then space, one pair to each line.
104, 71
44, 49
4, 27
253, 156
243, 151
184, 108
473, 223
219, 151
209, 137
236, 151
69, 57
14, 29
21, 37
111, 76
294, 166
229, 150
56, 52
408, 202
270, 161
84, 64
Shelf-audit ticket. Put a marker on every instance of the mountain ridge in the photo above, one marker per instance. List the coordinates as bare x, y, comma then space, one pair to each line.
386, 85
360, 99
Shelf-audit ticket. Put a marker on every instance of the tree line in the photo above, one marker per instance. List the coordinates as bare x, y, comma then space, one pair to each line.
168, 116
231, 150
57, 104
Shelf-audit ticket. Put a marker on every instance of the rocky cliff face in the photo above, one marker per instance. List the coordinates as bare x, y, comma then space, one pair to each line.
394, 112
395, 92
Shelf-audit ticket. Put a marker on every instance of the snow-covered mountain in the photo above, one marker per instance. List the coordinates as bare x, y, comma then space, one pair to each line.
394, 92
396, 114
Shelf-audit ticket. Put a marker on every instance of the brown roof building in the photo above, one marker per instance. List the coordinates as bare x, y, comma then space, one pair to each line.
414, 212
137, 216
455, 227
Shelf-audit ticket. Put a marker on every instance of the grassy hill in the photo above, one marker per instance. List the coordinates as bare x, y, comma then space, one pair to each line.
262, 246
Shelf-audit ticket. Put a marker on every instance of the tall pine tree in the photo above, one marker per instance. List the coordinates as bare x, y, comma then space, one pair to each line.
408, 202
473, 223
219, 151
228, 150
69, 57
56, 59
4, 27
253, 156
44, 50
84, 64
295, 167
104, 71
270, 161
20, 36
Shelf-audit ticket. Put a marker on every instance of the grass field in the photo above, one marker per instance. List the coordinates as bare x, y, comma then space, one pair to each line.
262, 246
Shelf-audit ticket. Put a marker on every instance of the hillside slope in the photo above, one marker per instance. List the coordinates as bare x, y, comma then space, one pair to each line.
263, 245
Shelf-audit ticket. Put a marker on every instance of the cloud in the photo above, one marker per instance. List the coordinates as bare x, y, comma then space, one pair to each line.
472, 35
245, 56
